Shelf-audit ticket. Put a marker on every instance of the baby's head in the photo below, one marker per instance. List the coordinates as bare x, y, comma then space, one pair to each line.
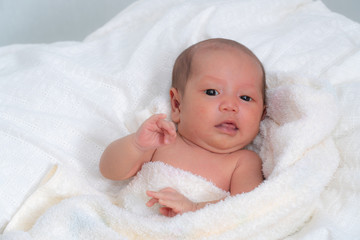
183, 66
218, 95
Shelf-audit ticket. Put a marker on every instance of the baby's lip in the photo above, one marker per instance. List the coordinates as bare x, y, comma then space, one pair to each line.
228, 127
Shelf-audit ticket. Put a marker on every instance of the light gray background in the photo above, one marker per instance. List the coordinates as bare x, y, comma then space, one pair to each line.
46, 21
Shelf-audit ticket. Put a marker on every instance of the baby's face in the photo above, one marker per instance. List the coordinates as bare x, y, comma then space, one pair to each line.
222, 104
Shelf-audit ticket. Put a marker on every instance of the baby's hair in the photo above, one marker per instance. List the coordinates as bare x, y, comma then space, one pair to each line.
182, 66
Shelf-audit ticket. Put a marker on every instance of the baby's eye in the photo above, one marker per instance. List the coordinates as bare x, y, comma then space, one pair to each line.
211, 92
246, 98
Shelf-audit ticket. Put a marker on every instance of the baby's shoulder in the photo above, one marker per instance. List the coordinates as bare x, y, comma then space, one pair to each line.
245, 153
247, 159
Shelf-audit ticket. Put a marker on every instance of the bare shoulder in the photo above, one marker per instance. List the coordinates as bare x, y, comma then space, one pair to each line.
247, 173
248, 158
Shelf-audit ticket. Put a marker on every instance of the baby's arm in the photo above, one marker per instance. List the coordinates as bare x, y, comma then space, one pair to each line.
124, 157
247, 174
174, 202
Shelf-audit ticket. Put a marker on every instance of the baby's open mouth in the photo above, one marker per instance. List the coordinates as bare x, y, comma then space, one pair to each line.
227, 127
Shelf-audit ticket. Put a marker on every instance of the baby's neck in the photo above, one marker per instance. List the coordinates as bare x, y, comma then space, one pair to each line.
196, 147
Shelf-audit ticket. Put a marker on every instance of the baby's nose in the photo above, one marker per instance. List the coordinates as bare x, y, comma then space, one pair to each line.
229, 106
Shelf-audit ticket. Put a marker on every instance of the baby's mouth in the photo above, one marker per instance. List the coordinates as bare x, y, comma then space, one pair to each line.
228, 127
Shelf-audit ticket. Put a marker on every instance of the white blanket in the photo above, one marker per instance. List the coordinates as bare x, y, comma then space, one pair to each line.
155, 176
61, 104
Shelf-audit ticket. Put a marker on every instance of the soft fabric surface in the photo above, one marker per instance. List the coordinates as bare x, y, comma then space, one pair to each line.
155, 176
62, 104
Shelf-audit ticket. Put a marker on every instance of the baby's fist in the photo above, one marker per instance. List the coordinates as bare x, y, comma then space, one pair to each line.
155, 132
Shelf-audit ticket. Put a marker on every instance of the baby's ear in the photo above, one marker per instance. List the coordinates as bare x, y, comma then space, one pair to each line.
264, 113
175, 99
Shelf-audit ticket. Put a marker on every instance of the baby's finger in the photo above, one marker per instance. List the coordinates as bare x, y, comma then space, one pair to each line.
156, 195
170, 138
151, 123
168, 189
156, 117
168, 212
151, 194
168, 126
152, 202
168, 129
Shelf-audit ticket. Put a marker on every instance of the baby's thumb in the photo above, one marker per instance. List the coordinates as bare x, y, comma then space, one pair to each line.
169, 138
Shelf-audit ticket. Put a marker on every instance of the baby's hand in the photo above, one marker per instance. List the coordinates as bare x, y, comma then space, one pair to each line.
155, 132
173, 202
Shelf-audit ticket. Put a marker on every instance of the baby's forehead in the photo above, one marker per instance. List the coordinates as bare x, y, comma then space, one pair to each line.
203, 51
228, 53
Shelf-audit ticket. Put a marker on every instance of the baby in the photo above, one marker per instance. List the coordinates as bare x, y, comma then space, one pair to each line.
217, 103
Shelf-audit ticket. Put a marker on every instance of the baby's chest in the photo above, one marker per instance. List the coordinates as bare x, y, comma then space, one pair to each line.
217, 170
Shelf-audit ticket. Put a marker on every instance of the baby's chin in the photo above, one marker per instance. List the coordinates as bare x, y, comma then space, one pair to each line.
215, 145
221, 148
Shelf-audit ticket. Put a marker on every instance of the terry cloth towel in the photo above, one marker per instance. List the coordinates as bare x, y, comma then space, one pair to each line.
155, 176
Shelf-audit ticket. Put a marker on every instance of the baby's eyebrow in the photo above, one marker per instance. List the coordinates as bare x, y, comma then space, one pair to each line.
212, 79
251, 90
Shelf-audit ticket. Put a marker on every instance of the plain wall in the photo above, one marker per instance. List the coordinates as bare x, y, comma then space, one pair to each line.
46, 21
349, 8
